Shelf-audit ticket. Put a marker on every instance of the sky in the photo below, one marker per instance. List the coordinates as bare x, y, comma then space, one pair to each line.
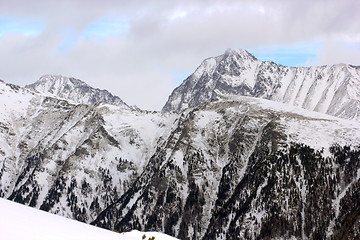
141, 50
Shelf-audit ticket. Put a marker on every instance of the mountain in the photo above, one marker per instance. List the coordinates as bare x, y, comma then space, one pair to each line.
72, 159
74, 90
246, 168
226, 167
333, 90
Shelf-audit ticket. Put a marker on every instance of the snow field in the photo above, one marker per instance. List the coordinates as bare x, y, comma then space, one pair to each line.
18, 222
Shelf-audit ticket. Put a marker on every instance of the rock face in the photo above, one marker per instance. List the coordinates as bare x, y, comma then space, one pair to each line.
230, 167
74, 90
72, 159
237, 170
334, 90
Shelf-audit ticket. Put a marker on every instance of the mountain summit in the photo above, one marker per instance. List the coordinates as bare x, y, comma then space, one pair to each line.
75, 90
334, 90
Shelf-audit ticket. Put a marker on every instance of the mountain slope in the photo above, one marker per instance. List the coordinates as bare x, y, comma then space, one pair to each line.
74, 90
73, 160
246, 168
334, 90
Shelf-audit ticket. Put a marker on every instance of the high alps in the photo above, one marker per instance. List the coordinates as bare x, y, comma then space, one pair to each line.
243, 149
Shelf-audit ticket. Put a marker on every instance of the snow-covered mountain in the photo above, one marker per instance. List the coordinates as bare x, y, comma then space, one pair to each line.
246, 168
334, 90
231, 167
74, 90
96, 151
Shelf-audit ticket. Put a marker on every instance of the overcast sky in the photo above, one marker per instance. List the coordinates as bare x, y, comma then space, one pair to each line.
142, 50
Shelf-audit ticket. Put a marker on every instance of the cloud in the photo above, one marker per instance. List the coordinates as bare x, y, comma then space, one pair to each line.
104, 27
136, 49
335, 53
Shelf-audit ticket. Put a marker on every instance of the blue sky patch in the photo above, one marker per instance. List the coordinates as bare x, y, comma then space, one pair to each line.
293, 55
104, 27
22, 26
179, 76
68, 40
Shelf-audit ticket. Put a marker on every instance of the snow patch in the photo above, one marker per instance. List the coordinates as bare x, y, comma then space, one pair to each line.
19, 222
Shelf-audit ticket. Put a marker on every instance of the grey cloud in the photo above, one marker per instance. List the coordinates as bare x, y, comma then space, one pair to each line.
137, 66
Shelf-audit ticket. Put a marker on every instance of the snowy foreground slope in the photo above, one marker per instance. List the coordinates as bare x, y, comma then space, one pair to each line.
19, 222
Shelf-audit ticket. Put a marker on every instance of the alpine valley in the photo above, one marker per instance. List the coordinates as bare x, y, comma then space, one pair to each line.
243, 149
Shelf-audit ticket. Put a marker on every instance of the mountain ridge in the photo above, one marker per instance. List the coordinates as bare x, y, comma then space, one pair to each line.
216, 149
74, 90
227, 167
334, 90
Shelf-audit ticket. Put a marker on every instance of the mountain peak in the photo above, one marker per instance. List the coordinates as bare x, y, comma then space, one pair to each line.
239, 52
232, 51
74, 90
327, 89
51, 83
56, 78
